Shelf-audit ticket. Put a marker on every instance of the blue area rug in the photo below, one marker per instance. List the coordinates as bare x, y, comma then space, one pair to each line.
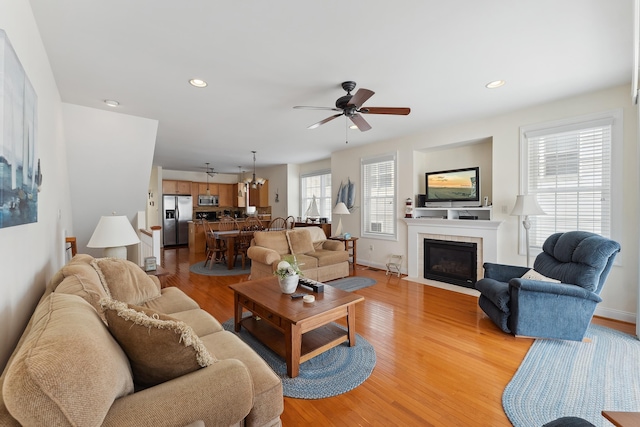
218, 269
352, 283
331, 373
579, 379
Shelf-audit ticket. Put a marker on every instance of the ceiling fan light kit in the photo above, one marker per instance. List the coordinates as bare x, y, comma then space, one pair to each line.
351, 106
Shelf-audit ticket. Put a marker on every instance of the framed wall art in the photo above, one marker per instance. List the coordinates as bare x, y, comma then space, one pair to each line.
20, 174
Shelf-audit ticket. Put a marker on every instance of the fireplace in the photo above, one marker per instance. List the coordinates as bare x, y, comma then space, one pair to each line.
451, 262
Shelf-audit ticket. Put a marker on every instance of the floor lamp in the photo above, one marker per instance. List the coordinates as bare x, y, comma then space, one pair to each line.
527, 205
114, 234
340, 209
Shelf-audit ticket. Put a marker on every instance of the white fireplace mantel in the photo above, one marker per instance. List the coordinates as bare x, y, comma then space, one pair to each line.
418, 228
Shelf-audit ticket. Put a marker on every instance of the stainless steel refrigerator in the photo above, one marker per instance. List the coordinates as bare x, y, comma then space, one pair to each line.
177, 212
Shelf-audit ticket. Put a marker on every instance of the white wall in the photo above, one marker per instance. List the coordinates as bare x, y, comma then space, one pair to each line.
110, 157
468, 154
31, 253
621, 291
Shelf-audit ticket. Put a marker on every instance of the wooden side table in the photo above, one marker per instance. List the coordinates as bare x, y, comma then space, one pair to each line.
351, 247
162, 275
622, 419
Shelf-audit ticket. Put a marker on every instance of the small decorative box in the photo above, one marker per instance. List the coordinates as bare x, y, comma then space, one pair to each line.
150, 263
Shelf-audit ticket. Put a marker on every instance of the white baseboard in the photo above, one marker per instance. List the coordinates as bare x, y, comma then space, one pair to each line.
610, 313
443, 285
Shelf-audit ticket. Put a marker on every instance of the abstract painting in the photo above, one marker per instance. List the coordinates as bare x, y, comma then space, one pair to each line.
20, 175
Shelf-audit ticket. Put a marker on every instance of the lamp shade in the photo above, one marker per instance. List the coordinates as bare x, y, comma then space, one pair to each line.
113, 232
526, 204
341, 209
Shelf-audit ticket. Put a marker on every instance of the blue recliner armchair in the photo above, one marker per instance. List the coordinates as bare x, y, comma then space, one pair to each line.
581, 262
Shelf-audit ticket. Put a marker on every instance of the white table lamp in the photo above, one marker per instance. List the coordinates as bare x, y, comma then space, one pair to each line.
527, 205
340, 209
114, 234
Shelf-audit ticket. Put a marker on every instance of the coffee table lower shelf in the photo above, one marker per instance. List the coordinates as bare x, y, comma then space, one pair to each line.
314, 342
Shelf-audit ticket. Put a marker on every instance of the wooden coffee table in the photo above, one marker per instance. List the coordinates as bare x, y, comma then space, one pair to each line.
295, 330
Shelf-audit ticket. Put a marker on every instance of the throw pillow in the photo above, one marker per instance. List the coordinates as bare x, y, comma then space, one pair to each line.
125, 281
534, 275
158, 346
300, 241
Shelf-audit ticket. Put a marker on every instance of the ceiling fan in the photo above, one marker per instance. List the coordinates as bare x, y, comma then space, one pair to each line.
351, 106
209, 170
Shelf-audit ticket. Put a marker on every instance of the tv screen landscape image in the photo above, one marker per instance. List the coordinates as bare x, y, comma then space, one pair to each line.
458, 185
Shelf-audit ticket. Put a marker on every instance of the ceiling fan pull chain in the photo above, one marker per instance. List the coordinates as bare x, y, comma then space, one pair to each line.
346, 130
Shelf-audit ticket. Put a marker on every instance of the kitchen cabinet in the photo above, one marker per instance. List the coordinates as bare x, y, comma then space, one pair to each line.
226, 195
240, 195
176, 187
259, 197
213, 188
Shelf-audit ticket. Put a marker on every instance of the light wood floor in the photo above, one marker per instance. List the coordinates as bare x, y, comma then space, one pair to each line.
440, 360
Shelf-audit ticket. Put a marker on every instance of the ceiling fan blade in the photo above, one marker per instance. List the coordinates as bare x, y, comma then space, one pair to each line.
321, 122
361, 97
304, 107
385, 110
359, 121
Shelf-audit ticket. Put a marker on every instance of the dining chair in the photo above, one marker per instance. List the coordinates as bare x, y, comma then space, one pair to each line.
227, 223
278, 223
290, 222
243, 242
215, 248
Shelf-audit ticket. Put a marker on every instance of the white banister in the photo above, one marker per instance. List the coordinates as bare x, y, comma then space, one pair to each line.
149, 241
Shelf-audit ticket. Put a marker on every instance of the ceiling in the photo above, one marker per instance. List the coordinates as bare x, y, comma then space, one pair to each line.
261, 58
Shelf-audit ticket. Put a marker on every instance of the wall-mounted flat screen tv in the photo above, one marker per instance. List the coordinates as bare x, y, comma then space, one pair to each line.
456, 185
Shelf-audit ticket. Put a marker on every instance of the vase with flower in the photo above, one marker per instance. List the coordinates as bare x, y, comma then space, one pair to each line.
288, 275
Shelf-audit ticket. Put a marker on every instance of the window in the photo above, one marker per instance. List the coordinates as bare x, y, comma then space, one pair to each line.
569, 166
316, 184
379, 197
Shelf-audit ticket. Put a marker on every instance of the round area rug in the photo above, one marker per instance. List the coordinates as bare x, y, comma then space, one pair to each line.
331, 373
219, 269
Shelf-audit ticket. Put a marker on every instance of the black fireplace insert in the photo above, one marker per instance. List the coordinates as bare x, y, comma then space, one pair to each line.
451, 262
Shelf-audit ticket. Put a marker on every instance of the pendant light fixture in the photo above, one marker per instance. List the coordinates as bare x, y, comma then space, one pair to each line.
243, 188
208, 192
255, 182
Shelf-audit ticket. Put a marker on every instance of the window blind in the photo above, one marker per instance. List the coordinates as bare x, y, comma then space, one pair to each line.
379, 196
569, 171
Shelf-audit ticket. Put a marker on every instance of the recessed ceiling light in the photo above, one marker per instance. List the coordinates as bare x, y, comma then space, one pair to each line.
111, 102
353, 127
494, 84
198, 83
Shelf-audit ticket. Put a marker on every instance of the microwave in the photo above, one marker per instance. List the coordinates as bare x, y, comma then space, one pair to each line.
204, 200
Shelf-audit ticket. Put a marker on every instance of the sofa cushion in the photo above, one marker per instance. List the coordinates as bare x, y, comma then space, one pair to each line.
159, 347
83, 281
200, 321
63, 378
306, 262
276, 240
300, 241
325, 257
125, 281
171, 300
268, 403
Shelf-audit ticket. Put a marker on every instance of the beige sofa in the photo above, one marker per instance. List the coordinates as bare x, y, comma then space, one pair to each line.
318, 258
107, 346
